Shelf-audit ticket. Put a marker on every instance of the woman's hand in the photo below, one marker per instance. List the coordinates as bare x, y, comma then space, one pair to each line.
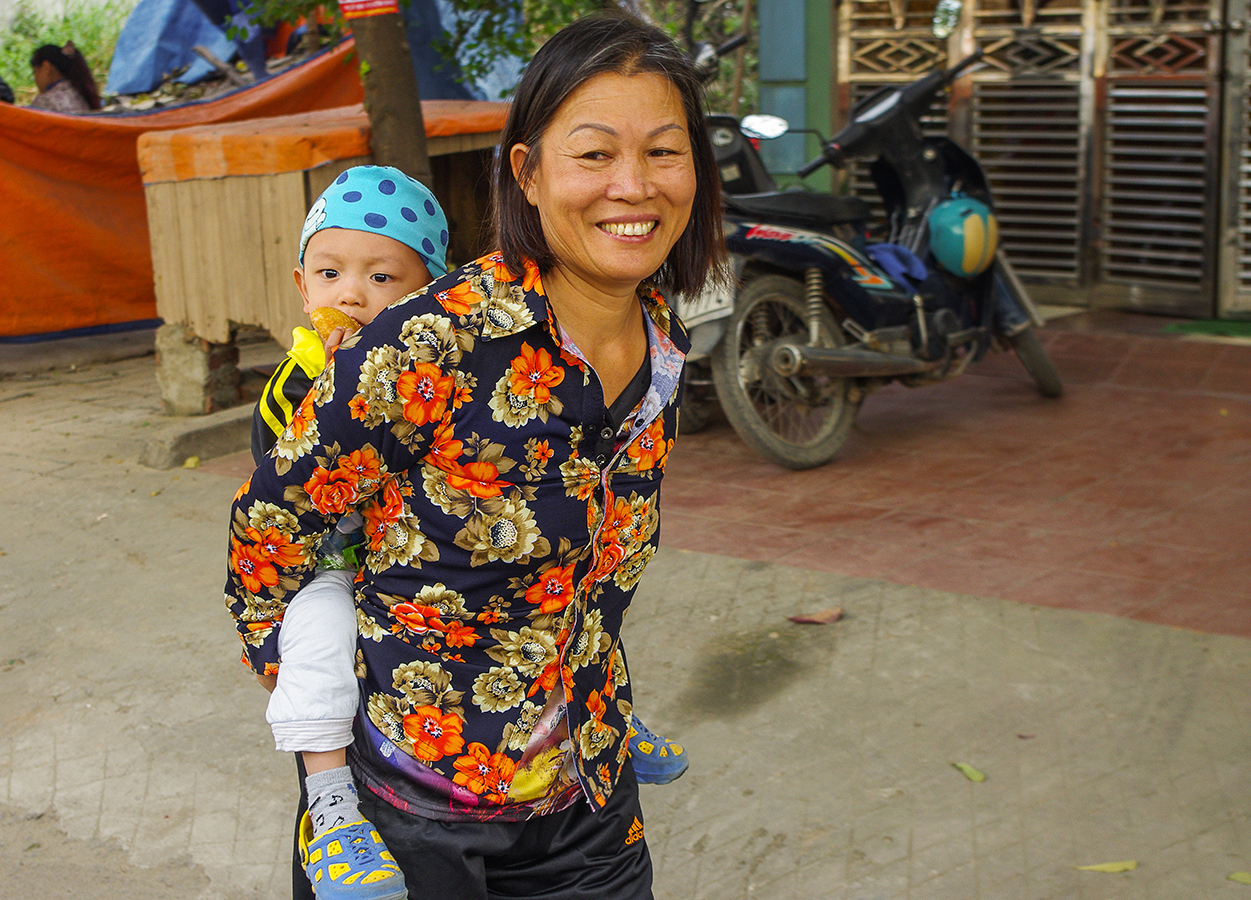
269, 682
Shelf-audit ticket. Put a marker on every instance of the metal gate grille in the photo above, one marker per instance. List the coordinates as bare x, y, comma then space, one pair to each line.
1026, 134
1155, 184
1239, 218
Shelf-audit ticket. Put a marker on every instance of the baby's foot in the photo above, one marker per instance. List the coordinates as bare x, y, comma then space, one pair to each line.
656, 759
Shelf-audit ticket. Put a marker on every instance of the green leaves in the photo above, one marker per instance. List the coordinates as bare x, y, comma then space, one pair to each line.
1125, 865
94, 27
969, 772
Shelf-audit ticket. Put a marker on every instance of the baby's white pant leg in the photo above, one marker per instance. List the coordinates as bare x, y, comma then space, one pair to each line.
317, 696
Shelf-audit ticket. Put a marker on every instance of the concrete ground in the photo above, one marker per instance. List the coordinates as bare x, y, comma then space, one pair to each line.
135, 761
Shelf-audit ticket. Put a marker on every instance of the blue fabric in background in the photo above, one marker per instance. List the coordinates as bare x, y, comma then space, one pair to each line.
157, 38
439, 79
436, 77
159, 34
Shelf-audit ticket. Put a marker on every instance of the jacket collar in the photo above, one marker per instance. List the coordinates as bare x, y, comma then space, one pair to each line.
515, 304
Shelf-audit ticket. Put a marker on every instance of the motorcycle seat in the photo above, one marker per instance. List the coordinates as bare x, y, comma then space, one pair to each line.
799, 207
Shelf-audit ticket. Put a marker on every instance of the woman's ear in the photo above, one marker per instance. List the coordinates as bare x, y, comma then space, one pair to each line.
516, 159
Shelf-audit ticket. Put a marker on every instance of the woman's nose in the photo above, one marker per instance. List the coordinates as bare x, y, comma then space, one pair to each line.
631, 181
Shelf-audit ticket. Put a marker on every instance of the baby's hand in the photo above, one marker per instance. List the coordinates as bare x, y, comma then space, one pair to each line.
334, 339
332, 326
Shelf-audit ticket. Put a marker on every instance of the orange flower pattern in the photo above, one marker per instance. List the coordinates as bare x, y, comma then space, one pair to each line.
425, 392
533, 374
434, 734
506, 527
489, 775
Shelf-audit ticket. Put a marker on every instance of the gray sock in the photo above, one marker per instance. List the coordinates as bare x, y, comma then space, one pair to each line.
331, 799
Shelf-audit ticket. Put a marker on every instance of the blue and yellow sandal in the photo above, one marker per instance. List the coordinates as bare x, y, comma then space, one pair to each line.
656, 759
350, 862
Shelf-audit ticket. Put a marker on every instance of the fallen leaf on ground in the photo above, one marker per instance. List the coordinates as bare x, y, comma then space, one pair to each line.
1124, 865
1025, 737
824, 617
969, 772
1240, 877
191, 462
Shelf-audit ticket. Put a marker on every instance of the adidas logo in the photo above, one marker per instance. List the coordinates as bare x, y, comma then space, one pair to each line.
636, 832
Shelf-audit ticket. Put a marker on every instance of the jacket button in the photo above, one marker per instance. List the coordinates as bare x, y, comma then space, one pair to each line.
607, 434
601, 460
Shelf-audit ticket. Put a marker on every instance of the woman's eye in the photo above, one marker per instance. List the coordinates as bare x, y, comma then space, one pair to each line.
595, 155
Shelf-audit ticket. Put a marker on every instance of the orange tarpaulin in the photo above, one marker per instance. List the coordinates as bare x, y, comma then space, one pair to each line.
74, 234
294, 143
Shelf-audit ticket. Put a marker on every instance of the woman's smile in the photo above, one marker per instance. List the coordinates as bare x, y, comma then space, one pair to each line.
629, 229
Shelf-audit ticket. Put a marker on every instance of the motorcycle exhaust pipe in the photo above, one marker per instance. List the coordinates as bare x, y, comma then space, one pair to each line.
790, 359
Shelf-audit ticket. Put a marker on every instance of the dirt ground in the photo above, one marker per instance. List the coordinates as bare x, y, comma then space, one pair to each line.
38, 861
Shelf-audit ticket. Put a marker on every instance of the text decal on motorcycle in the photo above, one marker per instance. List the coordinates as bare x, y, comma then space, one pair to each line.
862, 273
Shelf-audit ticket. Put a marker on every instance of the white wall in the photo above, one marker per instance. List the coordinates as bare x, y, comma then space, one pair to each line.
46, 6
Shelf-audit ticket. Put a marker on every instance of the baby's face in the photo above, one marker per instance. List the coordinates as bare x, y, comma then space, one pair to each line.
358, 272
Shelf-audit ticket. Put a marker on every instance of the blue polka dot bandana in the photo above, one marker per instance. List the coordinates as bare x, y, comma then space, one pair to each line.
385, 201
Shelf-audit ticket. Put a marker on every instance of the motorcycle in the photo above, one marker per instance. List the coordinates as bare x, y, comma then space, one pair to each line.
816, 316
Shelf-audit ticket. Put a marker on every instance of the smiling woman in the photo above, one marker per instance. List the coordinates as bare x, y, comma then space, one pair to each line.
518, 413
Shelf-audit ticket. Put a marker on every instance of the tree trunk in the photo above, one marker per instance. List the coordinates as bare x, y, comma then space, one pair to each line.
391, 99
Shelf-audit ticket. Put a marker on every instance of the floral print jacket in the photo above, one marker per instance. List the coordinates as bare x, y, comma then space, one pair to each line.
507, 527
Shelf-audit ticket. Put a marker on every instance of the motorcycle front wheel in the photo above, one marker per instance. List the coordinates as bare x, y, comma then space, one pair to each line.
796, 421
1036, 361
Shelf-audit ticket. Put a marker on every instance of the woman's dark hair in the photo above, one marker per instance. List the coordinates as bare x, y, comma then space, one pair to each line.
595, 45
69, 61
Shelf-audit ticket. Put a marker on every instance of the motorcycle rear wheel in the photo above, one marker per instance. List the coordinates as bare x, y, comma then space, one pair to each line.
798, 421
1036, 361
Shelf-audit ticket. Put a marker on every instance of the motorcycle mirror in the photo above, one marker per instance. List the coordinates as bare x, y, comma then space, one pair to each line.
764, 127
705, 58
946, 18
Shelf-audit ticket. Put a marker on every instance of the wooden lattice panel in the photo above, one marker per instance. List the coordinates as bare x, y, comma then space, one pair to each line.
904, 56
1030, 53
1159, 54
1156, 13
893, 15
1028, 13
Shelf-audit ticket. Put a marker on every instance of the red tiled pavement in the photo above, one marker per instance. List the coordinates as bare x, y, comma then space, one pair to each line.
1130, 496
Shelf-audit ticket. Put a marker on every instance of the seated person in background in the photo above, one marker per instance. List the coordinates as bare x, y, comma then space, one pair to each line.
64, 80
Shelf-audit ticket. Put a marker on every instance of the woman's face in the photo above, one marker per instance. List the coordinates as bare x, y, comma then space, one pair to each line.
45, 74
615, 180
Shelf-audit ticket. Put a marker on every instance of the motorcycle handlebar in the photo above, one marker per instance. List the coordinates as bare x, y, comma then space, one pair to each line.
917, 92
831, 154
731, 45
958, 69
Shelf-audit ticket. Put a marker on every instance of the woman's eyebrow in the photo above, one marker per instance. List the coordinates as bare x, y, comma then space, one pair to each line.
607, 129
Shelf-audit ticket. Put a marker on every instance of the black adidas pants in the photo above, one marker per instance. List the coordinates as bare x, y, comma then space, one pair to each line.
577, 854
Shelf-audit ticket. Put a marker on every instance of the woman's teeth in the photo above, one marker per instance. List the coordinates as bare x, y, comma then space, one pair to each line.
628, 229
